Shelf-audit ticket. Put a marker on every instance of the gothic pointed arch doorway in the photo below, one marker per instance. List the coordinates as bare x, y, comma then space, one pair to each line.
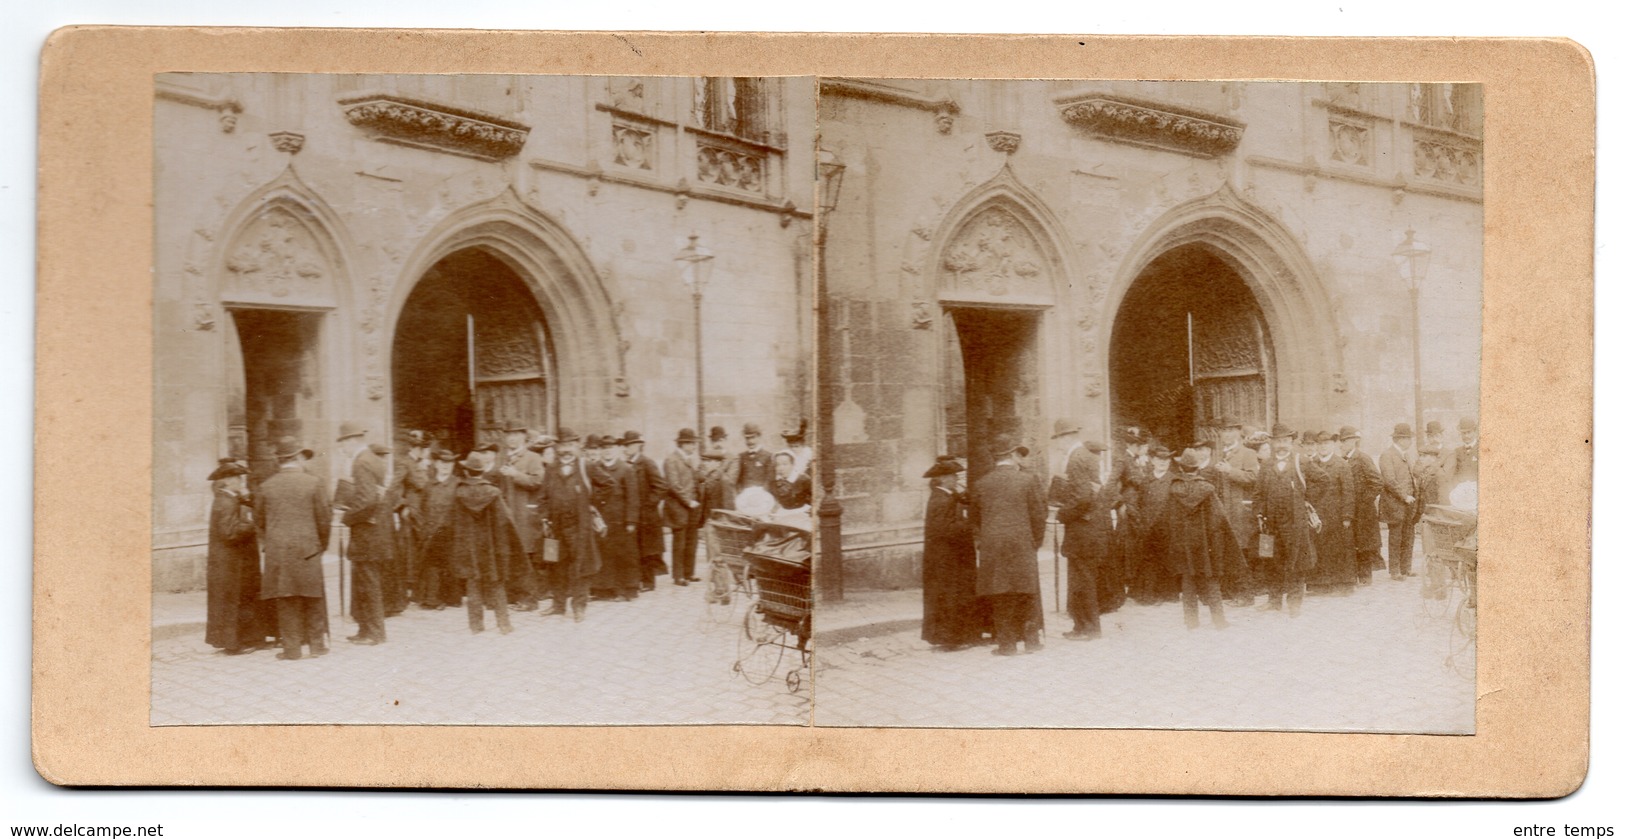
1190, 345
472, 353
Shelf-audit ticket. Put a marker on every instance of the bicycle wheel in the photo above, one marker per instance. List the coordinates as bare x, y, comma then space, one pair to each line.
759, 657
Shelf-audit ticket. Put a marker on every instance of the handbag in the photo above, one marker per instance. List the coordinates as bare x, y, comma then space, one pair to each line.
1266, 545
550, 549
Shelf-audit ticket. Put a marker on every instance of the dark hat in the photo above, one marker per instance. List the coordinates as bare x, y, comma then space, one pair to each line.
303, 450
568, 435
1064, 427
1403, 430
1188, 460
610, 440
417, 439
945, 465
288, 448
1162, 452
796, 434
1227, 422
1348, 432
631, 437
593, 442
230, 469
1256, 440
1467, 424
351, 428
687, 435
751, 430
1004, 444
543, 443
718, 433
1435, 427
471, 465
444, 454
379, 449
1094, 447
1280, 430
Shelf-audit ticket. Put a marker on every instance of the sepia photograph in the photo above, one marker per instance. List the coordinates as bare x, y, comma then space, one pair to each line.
482, 400
1153, 404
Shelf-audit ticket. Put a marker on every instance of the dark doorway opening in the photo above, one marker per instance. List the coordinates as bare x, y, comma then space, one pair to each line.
1189, 347
993, 381
471, 354
281, 383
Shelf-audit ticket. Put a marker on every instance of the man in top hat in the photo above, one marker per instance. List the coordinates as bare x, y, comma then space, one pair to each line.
361, 497
486, 551
235, 623
292, 513
1075, 480
436, 586
651, 489
615, 497
1198, 540
1397, 505
1333, 499
954, 617
1365, 482
755, 463
519, 477
1279, 501
1007, 512
680, 509
1460, 466
569, 517
1234, 473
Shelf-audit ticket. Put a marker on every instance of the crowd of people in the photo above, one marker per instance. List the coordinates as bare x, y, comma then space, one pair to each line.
1254, 514
500, 528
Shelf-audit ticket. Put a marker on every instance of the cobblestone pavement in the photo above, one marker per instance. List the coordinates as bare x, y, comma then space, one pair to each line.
1372, 661
658, 660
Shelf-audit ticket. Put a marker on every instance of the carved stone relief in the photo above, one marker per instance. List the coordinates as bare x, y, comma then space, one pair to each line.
634, 147
1446, 161
995, 254
1351, 142
1117, 119
735, 168
277, 260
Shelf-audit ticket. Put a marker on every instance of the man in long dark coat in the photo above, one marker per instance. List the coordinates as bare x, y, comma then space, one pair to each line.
1234, 472
569, 517
755, 464
615, 497
293, 516
1280, 503
1397, 504
1333, 499
651, 530
485, 547
236, 623
518, 473
1072, 493
680, 509
1007, 513
405, 501
1365, 537
1125, 536
954, 617
1198, 541
727, 471
1153, 582
437, 586
1460, 463
361, 497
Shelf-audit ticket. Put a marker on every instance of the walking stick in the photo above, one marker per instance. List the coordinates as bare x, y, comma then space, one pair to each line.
1055, 558
343, 543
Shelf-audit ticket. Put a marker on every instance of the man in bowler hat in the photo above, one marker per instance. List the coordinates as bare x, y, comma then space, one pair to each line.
1397, 505
569, 517
755, 463
1072, 492
680, 509
1366, 484
1007, 512
292, 513
651, 535
361, 497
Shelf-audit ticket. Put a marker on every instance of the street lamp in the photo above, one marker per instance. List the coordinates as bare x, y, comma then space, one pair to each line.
1412, 258
694, 268
828, 574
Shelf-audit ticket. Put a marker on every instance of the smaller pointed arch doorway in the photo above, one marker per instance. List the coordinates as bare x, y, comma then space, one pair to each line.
1190, 346
472, 353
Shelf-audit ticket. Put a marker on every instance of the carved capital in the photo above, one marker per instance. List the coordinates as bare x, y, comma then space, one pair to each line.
1160, 126
1003, 142
287, 142
438, 127
922, 315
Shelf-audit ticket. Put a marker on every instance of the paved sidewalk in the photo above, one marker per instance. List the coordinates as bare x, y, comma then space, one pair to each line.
1373, 661
658, 660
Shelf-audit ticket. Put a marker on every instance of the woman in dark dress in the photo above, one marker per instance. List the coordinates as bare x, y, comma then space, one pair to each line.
235, 622
954, 616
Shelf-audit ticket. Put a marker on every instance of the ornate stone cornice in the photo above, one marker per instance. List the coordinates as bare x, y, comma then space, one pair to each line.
1003, 142
1157, 125
428, 125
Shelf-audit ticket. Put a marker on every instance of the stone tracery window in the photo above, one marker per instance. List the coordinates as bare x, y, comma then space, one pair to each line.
738, 106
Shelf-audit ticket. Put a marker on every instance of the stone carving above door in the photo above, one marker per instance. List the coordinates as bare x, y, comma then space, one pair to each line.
1159, 125
995, 256
277, 261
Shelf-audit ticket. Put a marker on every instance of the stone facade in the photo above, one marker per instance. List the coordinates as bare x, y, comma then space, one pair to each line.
296, 215
1134, 253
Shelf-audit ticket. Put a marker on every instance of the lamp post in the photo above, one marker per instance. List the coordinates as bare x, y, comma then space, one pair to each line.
1412, 258
828, 573
694, 268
